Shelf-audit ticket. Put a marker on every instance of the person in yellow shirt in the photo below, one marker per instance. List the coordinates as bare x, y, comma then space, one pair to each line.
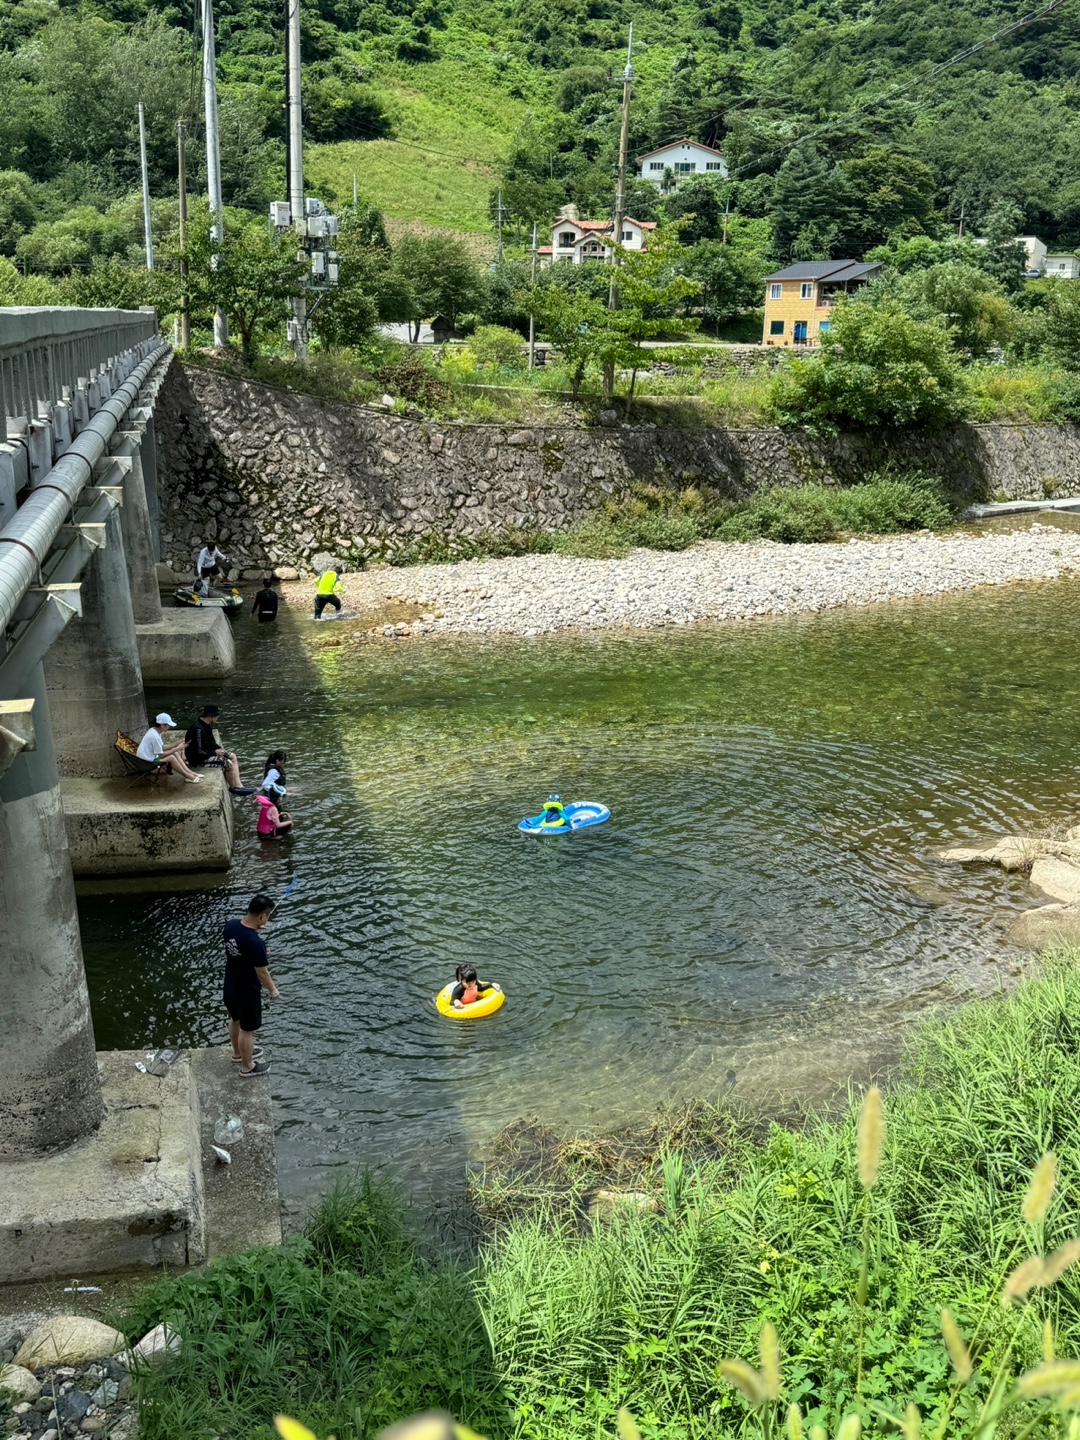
328, 591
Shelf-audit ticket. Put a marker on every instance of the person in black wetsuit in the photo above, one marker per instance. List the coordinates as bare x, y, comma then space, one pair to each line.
266, 602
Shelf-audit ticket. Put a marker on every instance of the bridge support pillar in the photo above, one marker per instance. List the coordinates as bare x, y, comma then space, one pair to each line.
92, 670
139, 549
50, 1094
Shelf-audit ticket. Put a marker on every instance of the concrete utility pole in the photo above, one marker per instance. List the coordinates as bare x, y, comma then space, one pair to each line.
181, 190
213, 155
500, 224
727, 212
355, 192
532, 318
295, 125
960, 232
145, 189
620, 201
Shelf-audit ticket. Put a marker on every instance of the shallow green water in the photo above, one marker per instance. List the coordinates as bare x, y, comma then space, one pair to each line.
762, 912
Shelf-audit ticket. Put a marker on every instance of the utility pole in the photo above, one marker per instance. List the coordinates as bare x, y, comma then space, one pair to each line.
960, 232
499, 222
147, 231
620, 201
213, 157
296, 163
532, 317
355, 192
727, 211
181, 190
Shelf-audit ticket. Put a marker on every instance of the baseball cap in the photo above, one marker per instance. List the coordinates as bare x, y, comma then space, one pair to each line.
164, 719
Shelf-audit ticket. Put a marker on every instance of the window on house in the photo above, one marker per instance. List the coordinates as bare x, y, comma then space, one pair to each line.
684, 167
776, 327
656, 164
566, 238
775, 291
824, 327
714, 164
806, 290
627, 234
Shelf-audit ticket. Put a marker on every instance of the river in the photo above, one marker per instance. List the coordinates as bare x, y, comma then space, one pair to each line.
762, 915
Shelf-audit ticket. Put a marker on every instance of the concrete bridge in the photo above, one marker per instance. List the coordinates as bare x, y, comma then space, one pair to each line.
81, 625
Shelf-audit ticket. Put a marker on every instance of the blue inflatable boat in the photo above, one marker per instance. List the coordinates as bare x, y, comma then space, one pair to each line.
559, 819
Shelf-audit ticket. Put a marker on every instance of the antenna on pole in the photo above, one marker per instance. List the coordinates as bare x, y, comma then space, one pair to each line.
293, 103
181, 190
213, 157
620, 201
147, 231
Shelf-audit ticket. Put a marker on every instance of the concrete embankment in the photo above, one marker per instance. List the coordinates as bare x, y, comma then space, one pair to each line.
276, 477
536, 594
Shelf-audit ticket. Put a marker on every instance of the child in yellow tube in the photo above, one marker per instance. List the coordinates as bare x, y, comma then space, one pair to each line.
468, 988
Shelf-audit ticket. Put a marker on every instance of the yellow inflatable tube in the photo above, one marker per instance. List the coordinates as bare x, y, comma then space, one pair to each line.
489, 1002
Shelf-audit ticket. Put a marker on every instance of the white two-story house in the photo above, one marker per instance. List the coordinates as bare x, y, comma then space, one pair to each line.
671, 165
577, 240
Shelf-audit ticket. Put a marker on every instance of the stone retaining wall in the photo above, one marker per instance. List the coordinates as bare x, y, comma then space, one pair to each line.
278, 477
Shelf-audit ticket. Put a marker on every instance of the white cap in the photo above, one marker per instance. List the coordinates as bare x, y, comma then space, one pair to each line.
164, 719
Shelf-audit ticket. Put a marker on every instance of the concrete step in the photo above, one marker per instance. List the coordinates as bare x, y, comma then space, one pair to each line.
145, 1190
186, 645
116, 828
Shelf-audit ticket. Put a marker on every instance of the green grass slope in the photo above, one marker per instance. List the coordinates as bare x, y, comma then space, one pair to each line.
453, 126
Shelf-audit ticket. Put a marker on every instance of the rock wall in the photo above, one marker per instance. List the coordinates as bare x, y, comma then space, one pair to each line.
277, 477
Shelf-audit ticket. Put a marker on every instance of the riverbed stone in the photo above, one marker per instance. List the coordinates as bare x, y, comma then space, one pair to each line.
68, 1339
1046, 925
606, 1204
18, 1384
1015, 852
1057, 877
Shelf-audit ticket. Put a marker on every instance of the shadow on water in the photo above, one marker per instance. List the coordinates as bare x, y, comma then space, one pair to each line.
765, 901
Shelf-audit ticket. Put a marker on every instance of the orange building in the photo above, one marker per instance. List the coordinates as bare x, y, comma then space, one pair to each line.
799, 300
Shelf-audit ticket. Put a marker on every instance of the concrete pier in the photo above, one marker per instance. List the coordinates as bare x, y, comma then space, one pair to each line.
138, 533
116, 828
50, 1095
92, 670
187, 646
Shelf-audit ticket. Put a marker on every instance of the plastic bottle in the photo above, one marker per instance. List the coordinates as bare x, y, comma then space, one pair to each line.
228, 1130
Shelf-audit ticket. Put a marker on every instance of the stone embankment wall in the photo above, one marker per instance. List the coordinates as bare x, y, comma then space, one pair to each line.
279, 477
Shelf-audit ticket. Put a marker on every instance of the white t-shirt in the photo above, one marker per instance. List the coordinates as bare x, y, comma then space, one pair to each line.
208, 556
271, 783
151, 745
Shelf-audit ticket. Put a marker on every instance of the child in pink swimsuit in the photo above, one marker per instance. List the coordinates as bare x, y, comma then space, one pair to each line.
272, 823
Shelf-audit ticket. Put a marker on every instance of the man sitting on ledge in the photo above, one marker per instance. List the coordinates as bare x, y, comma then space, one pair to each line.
202, 746
153, 750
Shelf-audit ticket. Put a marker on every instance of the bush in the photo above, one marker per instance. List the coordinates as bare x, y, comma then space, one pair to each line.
498, 346
410, 376
882, 504
879, 367
1059, 400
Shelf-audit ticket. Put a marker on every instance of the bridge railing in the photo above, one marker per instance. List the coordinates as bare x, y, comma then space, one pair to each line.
46, 353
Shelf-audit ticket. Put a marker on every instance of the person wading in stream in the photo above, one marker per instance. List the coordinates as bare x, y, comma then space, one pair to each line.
246, 977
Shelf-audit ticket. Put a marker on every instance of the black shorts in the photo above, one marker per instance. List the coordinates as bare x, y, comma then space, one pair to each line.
245, 1009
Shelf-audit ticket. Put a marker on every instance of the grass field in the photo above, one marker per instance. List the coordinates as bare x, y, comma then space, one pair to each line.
440, 166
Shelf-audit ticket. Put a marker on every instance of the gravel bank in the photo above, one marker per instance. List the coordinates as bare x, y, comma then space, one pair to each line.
537, 594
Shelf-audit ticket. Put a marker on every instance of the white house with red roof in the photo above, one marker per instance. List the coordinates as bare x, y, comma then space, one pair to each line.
668, 167
577, 240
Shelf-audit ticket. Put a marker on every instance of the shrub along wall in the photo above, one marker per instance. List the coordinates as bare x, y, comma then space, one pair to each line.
276, 476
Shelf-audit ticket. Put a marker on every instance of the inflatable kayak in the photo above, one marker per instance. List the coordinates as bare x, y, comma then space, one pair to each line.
490, 1001
228, 600
578, 815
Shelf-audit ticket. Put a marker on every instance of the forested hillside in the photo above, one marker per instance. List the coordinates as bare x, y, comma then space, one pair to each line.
434, 103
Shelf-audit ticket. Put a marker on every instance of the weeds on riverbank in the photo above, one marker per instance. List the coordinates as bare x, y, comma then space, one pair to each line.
564, 1321
885, 502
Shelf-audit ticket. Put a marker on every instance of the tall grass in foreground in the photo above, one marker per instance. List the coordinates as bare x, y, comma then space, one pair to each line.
821, 1260
638, 1313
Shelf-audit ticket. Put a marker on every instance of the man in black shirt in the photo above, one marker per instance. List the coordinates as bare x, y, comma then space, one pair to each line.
246, 977
266, 602
202, 746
